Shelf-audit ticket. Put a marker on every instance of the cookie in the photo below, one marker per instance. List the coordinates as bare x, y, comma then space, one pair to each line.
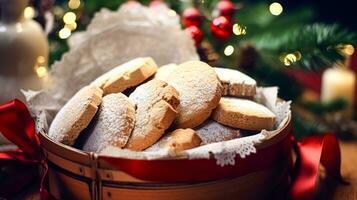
75, 115
178, 140
156, 103
113, 124
212, 131
235, 83
164, 72
200, 92
127, 75
244, 114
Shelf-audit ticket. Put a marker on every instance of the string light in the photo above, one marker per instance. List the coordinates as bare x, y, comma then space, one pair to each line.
41, 71
41, 60
239, 30
69, 18
298, 55
29, 12
74, 4
171, 13
276, 8
289, 59
40, 68
71, 26
229, 50
348, 49
64, 33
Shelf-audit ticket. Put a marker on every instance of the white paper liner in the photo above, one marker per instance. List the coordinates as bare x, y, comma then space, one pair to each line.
114, 38
129, 34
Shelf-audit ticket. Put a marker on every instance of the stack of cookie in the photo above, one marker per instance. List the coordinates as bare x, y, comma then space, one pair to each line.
174, 107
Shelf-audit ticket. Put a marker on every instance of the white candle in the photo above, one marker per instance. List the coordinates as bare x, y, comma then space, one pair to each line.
339, 83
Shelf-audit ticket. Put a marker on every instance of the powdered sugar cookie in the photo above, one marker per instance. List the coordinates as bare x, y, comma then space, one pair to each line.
75, 115
200, 92
113, 124
164, 72
156, 104
244, 114
235, 83
212, 131
178, 140
127, 75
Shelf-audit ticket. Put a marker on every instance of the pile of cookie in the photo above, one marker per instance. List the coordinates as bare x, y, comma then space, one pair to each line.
141, 107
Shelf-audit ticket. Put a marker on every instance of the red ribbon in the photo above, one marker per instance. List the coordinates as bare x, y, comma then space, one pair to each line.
310, 152
200, 170
17, 125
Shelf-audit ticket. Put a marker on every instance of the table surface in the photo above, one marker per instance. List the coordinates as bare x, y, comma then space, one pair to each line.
327, 187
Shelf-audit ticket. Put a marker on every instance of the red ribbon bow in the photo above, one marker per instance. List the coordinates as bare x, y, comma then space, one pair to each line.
17, 126
310, 152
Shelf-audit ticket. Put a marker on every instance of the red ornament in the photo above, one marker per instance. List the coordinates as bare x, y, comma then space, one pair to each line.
191, 17
221, 27
196, 34
225, 8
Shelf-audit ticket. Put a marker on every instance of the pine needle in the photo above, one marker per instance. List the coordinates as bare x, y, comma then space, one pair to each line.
309, 47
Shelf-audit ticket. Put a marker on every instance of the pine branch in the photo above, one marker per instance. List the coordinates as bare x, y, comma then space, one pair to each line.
313, 46
321, 109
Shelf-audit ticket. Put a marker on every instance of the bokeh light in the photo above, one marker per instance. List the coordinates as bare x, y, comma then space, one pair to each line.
229, 50
276, 8
69, 18
64, 33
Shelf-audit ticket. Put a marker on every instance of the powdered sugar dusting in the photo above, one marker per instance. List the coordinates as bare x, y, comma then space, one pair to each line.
164, 72
234, 76
236, 83
197, 84
212, 131
113, 125
246, 107
155, 106
70, 120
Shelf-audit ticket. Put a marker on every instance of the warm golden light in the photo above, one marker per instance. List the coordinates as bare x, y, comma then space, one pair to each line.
171, 13
41, 71
40, 67
289, 59
64, 33
41, 60
276, 8
229, 50
69, 18
71, 26
239, 30
348, 49
298, 55
74, 4
29, 12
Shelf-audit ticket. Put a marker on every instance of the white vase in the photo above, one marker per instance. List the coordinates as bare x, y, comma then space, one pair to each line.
23, 51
